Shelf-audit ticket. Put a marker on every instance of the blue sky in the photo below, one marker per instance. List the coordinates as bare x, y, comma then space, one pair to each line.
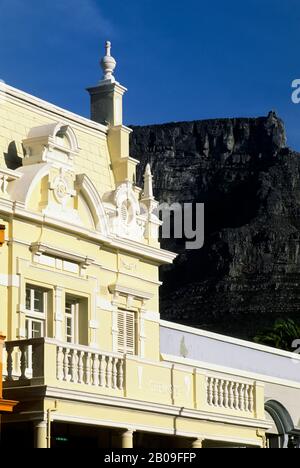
181, 60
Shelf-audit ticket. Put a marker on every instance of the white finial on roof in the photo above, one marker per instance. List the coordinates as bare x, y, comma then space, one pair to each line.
148, 186
108, 64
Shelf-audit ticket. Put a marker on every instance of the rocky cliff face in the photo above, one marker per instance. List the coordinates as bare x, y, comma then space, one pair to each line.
248, 272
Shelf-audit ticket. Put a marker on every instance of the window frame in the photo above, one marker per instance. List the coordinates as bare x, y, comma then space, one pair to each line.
74, 316
33, 315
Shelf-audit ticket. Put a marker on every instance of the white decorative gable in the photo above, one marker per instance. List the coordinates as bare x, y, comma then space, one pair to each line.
55, 143
124, 212
48, 184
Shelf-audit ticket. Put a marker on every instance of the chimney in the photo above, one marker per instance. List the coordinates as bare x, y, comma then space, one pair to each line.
107, 97
107, 109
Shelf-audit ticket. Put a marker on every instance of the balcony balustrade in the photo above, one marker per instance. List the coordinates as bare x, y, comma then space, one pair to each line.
47, 362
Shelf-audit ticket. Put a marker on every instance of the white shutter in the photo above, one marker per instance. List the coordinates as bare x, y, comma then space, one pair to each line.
121, 332
126, 332
130, 332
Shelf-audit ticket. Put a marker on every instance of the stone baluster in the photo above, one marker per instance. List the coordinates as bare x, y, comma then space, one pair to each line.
24, 350
226, 394
114, 373
221, 393
210, 395
236, 396
60, 363
103, 371
74, 366
66, 364
247, 397
88, 369
242, 397
9, 350
216, 392
96, 366
80, 367
231, 395
120, 374
109, 372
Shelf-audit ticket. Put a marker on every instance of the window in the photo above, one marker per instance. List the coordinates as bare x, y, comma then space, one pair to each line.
34, 328
35, 299
126, 332
36, 318
72, 320
36, 314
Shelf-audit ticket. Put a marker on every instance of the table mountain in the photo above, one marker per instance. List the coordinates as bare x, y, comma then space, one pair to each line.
248, 272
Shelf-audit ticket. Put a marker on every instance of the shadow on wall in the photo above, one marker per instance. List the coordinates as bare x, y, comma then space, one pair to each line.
12, 158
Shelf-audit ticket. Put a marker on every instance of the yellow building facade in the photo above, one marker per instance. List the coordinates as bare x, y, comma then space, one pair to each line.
79, 291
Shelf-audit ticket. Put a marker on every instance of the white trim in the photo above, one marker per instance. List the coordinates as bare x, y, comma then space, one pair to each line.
58, 316
38, 248
151, 316
156, 255
158, 408
9, 280
94, 324
10, 174
85, 186
45, 106
20, 190
209, 367
124, 291
130, 275
228, 339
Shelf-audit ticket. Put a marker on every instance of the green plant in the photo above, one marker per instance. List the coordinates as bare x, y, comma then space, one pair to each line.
281, 336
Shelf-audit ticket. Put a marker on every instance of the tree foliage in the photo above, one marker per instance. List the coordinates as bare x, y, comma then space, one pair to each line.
281, 336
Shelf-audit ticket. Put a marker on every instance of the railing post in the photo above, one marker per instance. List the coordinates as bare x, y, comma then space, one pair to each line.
38, 358
259, 400
60, 364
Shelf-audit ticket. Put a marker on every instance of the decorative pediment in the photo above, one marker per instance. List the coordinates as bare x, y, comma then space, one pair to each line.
124, 213
48, 184
55, 144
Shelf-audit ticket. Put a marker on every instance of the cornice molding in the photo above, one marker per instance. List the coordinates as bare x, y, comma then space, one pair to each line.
157, 256
126, 403
124, 291
38, 248
45, 106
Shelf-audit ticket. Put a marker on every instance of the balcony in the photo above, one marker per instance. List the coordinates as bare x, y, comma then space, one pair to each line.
46, 362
